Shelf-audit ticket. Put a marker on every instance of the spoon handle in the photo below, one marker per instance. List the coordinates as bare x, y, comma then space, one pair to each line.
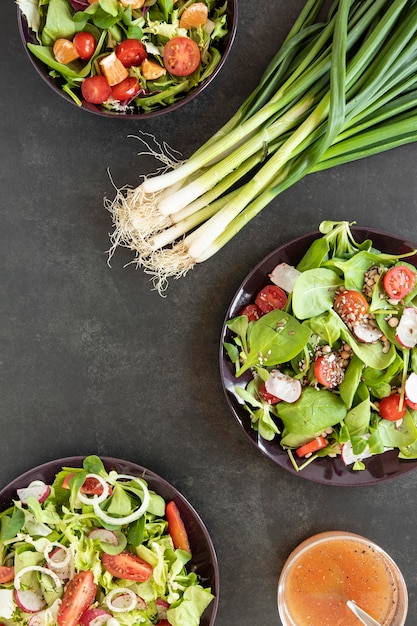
364, 617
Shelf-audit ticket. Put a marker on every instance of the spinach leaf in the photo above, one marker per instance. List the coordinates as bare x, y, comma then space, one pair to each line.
315, 255
357, 419
44, 54
370, 353
59, 22
314, 292
326, 327
393, 436
352, 378
313, 412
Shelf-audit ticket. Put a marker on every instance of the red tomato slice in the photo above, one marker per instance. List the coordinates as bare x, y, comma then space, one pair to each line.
268, 397
85, 44
176, 527
126, 90
312, 446
399, 281
127, 565
79, 594
252, 312
389, 408
271, 297
96, 89
350, 305
90, 487
181, 56
131, 52
6, 574
328, 371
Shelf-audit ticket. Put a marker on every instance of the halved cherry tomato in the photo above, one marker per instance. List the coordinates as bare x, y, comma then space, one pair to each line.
350, 305
79, 594
266, 396
328, 371
90, 487
127, 565
312, 446
96, 89
6, 574
126, 90
181, 56
252, 312
85, 44
176, 527
389, 408
271, 297
399, 281
131, 52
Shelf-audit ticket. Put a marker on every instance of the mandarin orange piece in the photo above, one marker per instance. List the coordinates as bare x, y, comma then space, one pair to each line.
151, 70
194, 15
113, 69
65, 51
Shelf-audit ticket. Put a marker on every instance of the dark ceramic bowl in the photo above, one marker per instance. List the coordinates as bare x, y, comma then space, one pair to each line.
28, 36
204, 561
327, 471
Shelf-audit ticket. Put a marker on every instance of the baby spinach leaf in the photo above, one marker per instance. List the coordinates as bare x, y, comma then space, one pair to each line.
314, 292
315, 255
351, 380
370, 353
275, 338
354, 269
326, 327
357, 419
59, 22
44, 54
398, 437
313, 412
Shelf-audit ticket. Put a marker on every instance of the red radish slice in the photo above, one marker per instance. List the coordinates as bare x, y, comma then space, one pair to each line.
367, 333
284, 276
36, 620
29, 601
347, 454
282, 386
95, 617
59, 561
36, 489
411, 387
121, 600
406, 333
162, 606
104, 535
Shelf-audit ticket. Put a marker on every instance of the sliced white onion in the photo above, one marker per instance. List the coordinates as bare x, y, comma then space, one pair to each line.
128, 519
57, 564
95, 499
36, 568
114, 594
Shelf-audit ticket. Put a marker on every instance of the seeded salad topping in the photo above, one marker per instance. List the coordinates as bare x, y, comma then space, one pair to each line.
127, 55
331, 348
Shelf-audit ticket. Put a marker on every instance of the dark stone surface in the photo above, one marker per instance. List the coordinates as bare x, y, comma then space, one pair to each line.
93, 361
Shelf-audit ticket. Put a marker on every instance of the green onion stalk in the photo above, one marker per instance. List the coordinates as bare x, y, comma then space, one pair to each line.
339, 89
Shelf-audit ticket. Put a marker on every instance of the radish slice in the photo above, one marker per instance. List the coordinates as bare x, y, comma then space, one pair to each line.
96, 498
162, 606
29, 601
347, 454
282, 386
121, 600
36, 620
95, 617
411, 387
367, 333
120, 521
406, 333
58, 558
284, 276
104, 535
37, 489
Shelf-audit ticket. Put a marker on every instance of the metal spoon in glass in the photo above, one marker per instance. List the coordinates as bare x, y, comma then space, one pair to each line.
364, 617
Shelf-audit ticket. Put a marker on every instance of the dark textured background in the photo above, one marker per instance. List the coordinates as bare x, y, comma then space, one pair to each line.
93, 361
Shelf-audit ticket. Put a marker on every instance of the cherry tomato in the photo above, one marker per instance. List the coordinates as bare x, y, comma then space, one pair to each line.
85, 44
181, 56
266, 396
312, 446
127, 565
126, 90
252, 312
328, 371
96, 89
350, 305
131, 52
79, 594
90, 487
399, 281
176, 527
6, 574
389, 408
271, 297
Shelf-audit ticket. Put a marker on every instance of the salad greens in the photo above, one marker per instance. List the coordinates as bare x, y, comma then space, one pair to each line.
104, 525
313, 331
152, 22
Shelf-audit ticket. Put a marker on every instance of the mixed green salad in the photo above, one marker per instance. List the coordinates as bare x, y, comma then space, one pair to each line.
96, 547
127, 56
330, 346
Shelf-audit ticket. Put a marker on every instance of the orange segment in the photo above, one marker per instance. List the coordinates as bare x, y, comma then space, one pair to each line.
113, 69
134, 4
194, 15
65, 51
151, 70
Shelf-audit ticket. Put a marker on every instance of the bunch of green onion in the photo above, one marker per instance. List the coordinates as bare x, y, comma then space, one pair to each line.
339, 89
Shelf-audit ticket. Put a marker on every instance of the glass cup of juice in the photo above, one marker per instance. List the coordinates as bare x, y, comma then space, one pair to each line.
327, 570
